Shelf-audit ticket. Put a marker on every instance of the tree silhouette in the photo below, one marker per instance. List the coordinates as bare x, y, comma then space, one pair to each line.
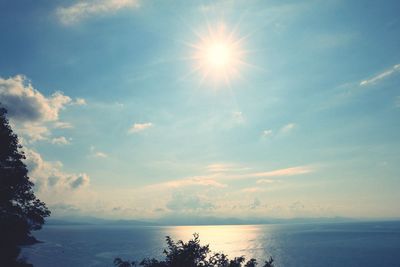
20, 211
191, 254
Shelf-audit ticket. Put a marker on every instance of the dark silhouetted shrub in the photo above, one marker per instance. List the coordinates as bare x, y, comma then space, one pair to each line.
192, 254
20, 210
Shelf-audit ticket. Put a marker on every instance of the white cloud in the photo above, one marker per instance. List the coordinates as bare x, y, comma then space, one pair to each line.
80, 102
60, 141
48, 175
138, 127
32, 114
266, 133
219, 167
225, 167
222, 173
381, 76
219, 188
31, 131
269, 133
85, 9
266, 181
287, 128
203, 181
99, 154
25, 103
285, 172
291, 171
206, 181
62, 125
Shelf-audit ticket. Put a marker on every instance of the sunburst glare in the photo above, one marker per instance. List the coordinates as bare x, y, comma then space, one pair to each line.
218, 55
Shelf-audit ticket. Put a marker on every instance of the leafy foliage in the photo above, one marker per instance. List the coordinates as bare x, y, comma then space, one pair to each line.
191, 254
20, 211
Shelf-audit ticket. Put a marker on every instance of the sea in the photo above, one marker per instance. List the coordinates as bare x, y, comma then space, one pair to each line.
352, 244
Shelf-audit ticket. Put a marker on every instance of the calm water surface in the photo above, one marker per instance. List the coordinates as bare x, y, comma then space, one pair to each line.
369, 244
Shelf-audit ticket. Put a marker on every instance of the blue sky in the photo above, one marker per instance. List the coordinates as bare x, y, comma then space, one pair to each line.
117, 121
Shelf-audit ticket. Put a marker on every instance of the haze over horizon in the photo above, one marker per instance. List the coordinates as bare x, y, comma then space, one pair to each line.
134, 109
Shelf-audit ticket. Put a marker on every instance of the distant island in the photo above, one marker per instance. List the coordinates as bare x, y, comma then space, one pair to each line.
180, 221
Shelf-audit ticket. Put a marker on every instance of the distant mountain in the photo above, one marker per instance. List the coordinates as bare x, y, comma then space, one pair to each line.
64, 222
182, 220
208, 220
88, 220
190, 220
130, 222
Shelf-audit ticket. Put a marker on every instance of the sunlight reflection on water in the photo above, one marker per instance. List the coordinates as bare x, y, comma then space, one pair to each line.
243, 240
309, 245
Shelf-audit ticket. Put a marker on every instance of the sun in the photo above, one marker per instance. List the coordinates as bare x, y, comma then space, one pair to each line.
217, 55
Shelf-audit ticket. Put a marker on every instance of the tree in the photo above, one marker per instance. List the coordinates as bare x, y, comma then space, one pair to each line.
192, 254
20, 211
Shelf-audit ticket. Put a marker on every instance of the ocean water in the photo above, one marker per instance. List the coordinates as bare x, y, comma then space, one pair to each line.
369, 244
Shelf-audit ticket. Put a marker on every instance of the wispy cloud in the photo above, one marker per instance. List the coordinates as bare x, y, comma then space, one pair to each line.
287, 128
266, 181
97, 154
225, 167
138, 127
80, 102
291, 171
218, 167
285, 172
223, 173
266, 133
273, 133
206, 180
86, 9
60, 141
381, 76
62, 125
100, 155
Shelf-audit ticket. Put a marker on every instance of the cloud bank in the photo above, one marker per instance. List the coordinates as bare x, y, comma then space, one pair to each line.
188, 203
